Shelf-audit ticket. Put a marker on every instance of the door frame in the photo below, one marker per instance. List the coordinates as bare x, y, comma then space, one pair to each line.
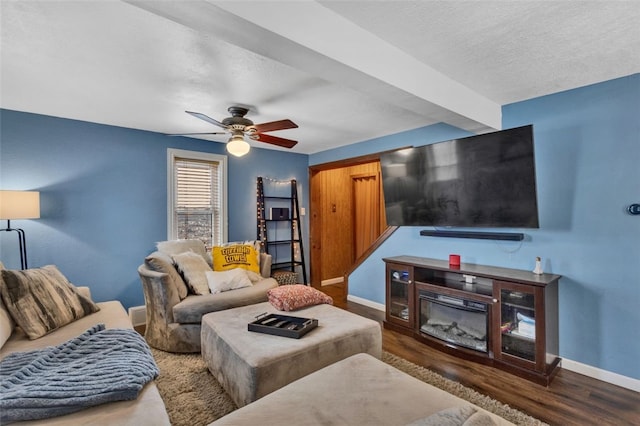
315, 217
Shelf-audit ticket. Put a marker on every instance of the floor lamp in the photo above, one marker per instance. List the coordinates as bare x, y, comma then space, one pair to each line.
19, 205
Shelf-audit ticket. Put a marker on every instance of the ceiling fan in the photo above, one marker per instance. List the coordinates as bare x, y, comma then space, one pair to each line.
239, 127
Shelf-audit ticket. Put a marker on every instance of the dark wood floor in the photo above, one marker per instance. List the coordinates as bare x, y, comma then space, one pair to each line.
571, 399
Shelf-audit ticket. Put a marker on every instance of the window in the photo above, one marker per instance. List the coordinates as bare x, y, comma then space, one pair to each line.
197, 196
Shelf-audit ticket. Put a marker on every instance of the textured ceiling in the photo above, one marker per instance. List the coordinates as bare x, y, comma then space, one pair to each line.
344, 71
510, 51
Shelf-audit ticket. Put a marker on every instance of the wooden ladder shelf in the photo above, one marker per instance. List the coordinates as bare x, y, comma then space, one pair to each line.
288, 253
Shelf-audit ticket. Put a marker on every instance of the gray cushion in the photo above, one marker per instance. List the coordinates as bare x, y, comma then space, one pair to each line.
191, 309
162, 262
250, 365
359, 390
42, 300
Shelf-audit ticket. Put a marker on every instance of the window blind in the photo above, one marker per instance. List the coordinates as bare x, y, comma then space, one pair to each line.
197, 200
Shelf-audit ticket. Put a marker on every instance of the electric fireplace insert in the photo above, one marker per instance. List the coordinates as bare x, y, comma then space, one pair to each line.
455, 320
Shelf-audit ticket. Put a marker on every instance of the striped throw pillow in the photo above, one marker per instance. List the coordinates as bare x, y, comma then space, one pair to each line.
41, 300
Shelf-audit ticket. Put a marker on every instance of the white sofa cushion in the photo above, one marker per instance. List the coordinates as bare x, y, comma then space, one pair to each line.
232, 279
6, 324
193, 268
181, 246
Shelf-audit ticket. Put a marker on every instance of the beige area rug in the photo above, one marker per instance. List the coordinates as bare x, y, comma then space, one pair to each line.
194, 398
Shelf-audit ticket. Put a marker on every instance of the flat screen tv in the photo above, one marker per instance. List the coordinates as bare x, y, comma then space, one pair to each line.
486, 181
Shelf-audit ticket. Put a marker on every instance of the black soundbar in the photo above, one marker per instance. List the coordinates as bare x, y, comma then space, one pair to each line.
505, 236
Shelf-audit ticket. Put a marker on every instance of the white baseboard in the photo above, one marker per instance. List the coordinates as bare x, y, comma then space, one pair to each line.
603, 375
576, 367
366, 302
138, 315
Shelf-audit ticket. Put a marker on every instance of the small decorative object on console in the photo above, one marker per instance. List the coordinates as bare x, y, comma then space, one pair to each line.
538, 269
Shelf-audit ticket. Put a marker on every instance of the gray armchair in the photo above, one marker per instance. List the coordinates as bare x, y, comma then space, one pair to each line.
173, 322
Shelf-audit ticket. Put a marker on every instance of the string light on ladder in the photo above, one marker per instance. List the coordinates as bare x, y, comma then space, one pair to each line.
277, 181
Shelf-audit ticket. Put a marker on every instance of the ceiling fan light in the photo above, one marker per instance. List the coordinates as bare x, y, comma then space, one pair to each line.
237, 146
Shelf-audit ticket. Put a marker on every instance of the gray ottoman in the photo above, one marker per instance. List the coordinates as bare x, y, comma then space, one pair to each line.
250, 365
359, 390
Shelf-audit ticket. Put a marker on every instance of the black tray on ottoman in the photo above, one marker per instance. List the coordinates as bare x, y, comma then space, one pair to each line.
283, 325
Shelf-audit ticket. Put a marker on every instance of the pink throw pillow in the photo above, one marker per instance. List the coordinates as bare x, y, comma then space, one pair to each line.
292, 297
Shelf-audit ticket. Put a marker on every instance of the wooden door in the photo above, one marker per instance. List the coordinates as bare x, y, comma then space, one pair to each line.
365, 190
336, 207
330, 227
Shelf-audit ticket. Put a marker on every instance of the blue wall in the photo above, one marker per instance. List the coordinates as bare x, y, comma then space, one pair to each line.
103, 196
587, 144
103, 202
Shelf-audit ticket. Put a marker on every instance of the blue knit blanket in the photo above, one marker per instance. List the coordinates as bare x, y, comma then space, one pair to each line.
99, 366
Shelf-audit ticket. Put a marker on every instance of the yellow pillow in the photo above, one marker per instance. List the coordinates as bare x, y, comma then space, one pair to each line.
235, 256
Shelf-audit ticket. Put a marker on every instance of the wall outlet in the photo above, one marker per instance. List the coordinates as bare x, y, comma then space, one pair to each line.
303, 211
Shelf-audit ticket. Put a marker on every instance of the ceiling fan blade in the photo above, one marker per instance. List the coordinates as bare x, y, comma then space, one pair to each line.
207, 119
274, 140
198, 134
274, 125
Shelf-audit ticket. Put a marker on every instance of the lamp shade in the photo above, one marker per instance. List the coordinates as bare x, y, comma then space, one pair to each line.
19, 205
238, 146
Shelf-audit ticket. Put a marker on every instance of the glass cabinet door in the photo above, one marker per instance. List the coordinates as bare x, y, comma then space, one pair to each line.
400, 294
518, 324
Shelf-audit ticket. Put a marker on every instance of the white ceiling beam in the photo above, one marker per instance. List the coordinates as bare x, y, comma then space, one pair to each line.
309, 37
311, 25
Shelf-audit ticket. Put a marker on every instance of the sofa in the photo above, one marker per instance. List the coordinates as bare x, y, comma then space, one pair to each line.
360, 390
147, 409
173, 309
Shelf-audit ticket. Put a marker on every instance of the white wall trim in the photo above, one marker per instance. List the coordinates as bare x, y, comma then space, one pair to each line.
366, 302
576, 367
603, 375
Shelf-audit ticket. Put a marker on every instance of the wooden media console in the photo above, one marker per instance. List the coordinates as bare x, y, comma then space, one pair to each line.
506, 318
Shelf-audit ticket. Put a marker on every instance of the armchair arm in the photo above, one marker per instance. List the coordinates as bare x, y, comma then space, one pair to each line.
160, 296
265, 265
